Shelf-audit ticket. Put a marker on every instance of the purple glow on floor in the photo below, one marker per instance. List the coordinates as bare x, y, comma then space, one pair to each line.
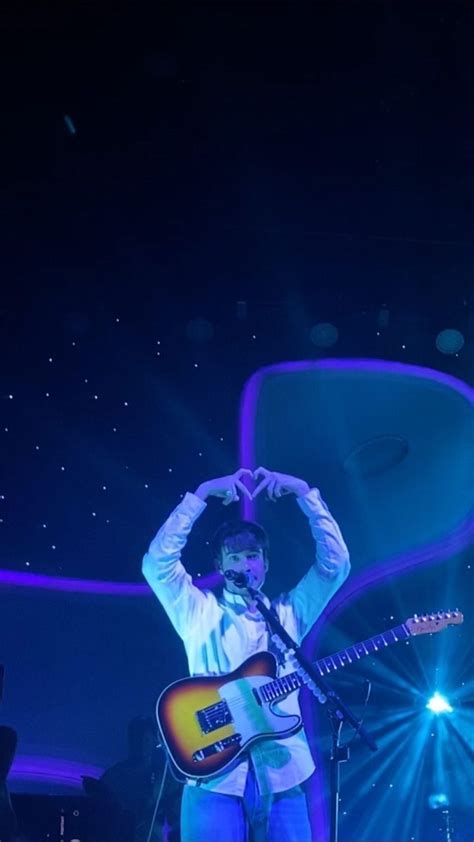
52, 770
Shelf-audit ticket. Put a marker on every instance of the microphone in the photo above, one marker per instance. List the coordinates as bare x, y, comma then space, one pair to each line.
240, 579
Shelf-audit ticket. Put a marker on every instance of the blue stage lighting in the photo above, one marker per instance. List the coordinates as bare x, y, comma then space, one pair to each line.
449, 341
439, 704
438, 800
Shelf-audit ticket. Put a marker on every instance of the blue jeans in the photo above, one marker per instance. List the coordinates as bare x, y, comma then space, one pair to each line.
212, 817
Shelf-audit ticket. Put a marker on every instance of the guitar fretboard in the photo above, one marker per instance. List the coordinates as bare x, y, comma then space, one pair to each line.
285, 684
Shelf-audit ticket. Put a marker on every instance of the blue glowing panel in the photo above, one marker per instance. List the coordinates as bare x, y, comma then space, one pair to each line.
391, 447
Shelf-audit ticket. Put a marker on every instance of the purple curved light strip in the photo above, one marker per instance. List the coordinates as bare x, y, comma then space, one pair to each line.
17, 579
27, 767
435, 551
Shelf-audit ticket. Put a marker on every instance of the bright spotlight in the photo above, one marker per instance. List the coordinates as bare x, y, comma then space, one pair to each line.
439, 704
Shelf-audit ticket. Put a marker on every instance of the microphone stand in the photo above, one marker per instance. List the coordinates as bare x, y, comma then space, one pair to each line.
337, 709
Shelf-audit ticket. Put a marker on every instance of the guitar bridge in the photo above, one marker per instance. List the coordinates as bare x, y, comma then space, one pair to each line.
215, 748
214, 717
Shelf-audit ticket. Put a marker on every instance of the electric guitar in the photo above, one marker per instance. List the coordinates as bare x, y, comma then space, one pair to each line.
207, 722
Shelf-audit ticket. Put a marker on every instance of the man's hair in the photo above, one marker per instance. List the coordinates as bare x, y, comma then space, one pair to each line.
238, 535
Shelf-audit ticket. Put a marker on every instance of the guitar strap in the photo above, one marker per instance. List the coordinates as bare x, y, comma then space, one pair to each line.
272, 647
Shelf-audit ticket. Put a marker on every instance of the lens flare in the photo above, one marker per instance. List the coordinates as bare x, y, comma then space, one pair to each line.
439, 704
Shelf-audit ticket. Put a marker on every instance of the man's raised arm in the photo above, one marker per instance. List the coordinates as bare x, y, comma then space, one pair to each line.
331, 563
162, 566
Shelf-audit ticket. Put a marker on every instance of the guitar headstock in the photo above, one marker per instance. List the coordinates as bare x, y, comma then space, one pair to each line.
431, 623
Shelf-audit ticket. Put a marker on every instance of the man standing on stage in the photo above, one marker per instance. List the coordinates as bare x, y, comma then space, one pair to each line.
263, 792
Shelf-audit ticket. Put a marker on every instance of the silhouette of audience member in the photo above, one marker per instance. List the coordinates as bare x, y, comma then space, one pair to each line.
8, 742
128, 791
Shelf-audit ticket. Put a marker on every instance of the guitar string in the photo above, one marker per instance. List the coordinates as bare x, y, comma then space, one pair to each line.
321, 663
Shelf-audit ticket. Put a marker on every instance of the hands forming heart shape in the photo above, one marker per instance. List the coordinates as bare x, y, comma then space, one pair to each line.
275, 484
263, 479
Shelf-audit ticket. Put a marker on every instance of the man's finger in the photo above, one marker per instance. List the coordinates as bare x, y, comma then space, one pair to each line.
271, 490
260, 487
243, 489
243, 472
260, 472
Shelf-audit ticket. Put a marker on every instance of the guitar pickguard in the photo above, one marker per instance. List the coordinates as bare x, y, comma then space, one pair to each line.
249, 717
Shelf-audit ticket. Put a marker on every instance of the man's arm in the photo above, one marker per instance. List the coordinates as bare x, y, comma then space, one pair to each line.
330, 568
332, 556
162, 566
164, 571
331, 564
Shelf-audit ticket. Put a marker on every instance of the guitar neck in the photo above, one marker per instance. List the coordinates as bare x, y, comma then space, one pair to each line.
285, 684
359, 650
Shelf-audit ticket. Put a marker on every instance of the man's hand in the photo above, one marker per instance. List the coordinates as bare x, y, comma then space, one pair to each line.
277, 484
227, 487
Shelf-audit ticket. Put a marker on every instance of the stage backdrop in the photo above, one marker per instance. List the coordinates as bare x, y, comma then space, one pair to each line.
391, 448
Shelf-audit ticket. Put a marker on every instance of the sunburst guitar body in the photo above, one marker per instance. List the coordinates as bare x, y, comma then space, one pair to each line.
208, 723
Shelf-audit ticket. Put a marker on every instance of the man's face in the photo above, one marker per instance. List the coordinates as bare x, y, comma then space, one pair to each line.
248, 559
